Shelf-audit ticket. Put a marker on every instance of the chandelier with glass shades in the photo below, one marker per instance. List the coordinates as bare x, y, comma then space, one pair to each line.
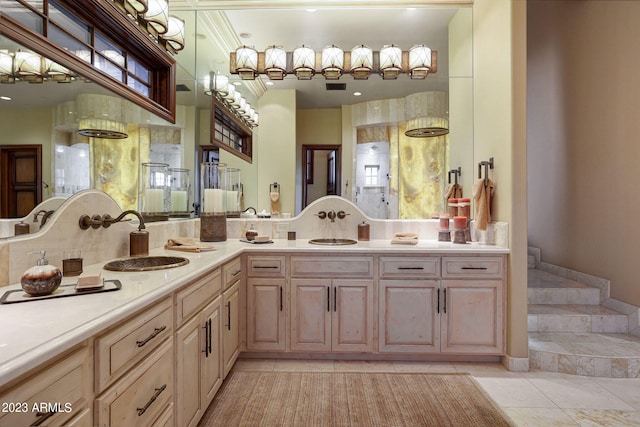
332, 62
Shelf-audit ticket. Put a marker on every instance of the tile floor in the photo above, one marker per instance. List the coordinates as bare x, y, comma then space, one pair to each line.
534, 398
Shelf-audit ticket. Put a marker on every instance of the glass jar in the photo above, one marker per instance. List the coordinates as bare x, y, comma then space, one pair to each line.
233, 191
154, 191
179, 186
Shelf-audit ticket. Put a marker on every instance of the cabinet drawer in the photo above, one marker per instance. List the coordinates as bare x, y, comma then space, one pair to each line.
322, 266
267, 266
127, 344
50, 397
141, 397
409, 267
193, 297
462, 267
232, 272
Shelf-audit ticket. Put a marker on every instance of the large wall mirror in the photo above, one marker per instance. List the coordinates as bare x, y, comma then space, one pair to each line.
34, 115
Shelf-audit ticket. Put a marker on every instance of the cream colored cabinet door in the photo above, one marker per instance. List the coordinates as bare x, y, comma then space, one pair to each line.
311, 314
211, 354
352, 315
230, 328
409, 321
472, 317
266, 314
332, 315
198, 375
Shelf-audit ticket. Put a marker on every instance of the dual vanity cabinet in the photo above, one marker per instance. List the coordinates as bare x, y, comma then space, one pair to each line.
163, 365
376, 304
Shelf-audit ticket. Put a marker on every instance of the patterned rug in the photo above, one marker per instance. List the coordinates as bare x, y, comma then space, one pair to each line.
351, 399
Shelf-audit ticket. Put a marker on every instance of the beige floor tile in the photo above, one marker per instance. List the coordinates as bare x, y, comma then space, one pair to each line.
254, 365
609, 418
537, 417
627, 389
363, 366
443, 367
516, 392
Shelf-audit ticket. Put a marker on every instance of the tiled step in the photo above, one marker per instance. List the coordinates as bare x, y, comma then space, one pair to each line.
587, 354
576, 318
548, 288
531, 261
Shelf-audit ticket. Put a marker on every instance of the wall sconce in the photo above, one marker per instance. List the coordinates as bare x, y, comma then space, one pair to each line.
419, 61
275, 62
304, 62
332, 62
28, 66
157, 15
361, 62
232, 101
246, 63
175, 33
31, 67
390, 61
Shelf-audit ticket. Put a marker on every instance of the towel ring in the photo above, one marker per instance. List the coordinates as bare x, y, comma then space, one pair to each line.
456, 173
487, 165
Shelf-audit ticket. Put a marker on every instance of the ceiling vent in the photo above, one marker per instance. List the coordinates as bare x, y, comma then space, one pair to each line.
336, 86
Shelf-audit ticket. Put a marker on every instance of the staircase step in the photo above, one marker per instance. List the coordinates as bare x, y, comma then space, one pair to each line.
547, 288
587, 354
531, 261
576, 318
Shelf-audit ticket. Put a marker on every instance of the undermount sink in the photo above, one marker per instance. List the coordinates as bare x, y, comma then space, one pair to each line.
332, 242
146, 263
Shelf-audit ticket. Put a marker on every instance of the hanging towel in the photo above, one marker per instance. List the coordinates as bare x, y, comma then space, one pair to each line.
482, 194
453, 191
275, 202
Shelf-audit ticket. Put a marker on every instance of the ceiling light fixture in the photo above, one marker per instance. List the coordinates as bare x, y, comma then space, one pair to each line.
305, 63
31, 67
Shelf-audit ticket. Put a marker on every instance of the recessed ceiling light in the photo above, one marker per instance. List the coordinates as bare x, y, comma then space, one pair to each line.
269, 83
311, 10
237, 83
5, 98
357, 93
245, 35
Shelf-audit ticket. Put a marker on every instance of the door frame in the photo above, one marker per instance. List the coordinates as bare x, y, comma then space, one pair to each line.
308, 153
7, 205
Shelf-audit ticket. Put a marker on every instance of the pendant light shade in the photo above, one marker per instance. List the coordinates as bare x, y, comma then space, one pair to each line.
101, 128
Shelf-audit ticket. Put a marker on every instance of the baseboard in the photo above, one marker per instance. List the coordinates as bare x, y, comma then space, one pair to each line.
631, 311
516, 364
535, 252
597, 282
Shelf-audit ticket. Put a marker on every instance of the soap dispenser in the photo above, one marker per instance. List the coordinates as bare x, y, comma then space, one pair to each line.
42, 279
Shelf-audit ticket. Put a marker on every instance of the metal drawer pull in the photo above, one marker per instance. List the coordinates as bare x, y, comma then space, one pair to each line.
235, 273
228, 325
266, 266
444, 304
281, 299
474, 268
153, 399
206, 339
410, 268
328, 298
155, 333
335, 299
42, 417
438, 301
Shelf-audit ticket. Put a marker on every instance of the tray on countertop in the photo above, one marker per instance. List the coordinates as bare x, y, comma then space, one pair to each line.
69, 290
253, 242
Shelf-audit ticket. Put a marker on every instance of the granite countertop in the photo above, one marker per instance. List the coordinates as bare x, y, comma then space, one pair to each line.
35, 331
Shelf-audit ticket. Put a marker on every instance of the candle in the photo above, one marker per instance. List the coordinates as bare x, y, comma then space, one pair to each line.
153, 200
459, 222
213, 200
444, 222
232, 201
179, 200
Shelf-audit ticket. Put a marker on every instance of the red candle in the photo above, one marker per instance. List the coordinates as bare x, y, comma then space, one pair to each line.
459, 222
444, 222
